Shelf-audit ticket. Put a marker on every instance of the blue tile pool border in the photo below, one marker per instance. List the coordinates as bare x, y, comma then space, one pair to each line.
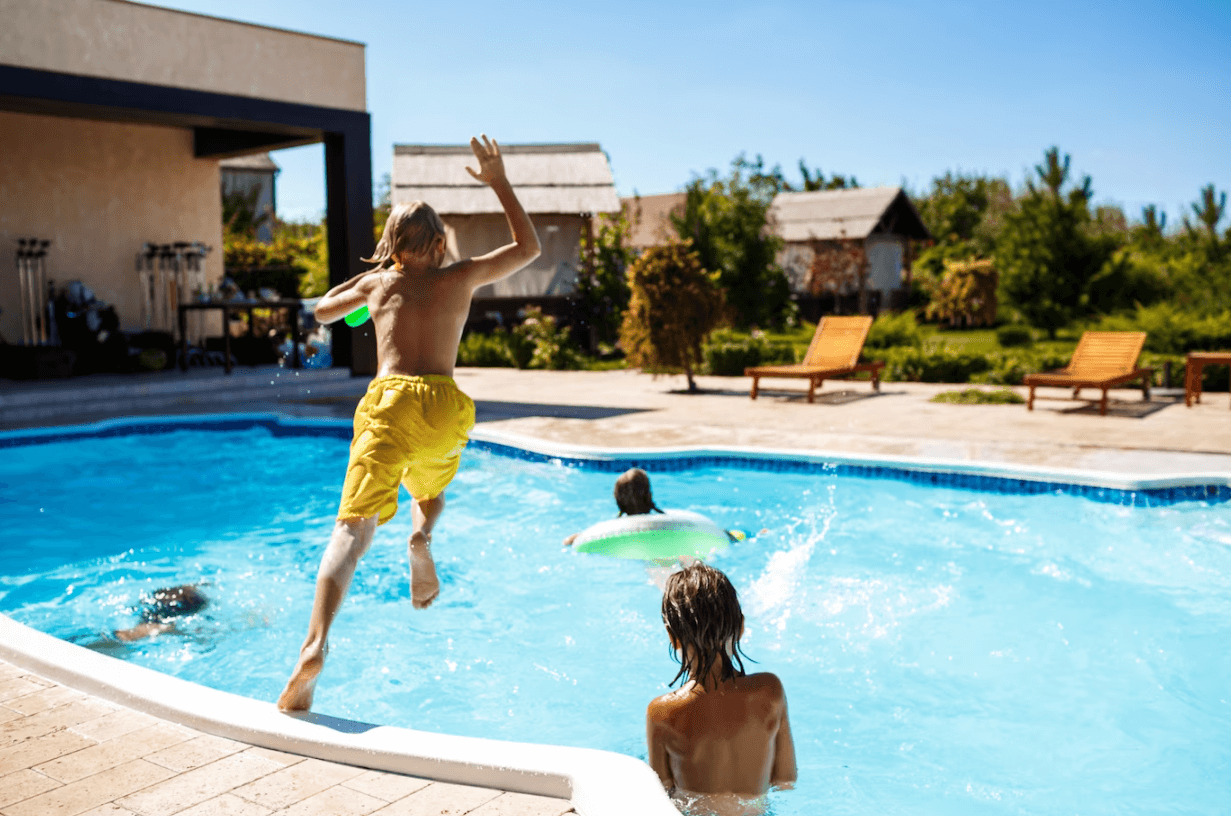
951, 475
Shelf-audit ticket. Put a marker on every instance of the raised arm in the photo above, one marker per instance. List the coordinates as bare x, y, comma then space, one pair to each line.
507, 259
344, 298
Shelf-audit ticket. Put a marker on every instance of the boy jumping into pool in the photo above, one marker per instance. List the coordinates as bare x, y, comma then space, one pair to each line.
723, 732
413, 422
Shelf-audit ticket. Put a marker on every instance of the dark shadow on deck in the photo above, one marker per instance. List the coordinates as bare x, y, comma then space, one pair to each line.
494, 410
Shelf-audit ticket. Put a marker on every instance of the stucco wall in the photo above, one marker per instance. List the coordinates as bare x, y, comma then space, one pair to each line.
121, 40
554, 272
99, 190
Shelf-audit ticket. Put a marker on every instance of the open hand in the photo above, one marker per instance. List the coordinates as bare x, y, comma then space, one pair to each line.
491, 165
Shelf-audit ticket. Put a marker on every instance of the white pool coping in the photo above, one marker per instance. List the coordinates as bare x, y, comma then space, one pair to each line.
598, 783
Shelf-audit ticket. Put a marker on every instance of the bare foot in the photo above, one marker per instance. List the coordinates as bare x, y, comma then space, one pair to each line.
424, 586
297, 696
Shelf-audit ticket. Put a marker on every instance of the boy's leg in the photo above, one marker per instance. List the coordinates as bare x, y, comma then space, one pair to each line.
350, 540
424, 586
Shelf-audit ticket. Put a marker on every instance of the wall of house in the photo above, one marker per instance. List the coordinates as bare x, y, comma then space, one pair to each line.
885, 254
139, 43
553, 273
99, 190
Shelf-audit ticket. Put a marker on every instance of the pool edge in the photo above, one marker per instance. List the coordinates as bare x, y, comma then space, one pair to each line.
597, 783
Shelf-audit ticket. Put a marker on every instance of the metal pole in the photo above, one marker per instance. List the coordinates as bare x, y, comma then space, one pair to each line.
40, 260
21, 288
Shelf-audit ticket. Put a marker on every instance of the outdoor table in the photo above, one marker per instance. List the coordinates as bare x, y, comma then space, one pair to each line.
1198, 360
228, 306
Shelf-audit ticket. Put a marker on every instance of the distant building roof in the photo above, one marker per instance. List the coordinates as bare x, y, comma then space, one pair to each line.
830, 215
549, 179
259, 162
650, 218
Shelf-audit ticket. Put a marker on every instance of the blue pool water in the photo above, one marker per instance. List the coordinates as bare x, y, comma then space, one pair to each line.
943, 650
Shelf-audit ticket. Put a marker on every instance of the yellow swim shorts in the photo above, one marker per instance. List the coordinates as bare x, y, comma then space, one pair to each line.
408, 430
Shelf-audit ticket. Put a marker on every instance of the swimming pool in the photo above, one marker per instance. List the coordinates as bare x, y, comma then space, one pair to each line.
943, 648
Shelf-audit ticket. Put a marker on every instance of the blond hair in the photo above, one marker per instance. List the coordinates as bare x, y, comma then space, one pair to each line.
412, 229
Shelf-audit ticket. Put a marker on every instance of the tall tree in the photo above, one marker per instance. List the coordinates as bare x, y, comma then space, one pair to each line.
1047, 252
602, 284
674, 305
725, 219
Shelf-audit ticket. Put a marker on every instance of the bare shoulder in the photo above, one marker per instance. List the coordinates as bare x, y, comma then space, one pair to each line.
763, 683
661, 708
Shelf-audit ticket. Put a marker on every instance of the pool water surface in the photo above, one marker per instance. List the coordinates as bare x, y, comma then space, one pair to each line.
943, 650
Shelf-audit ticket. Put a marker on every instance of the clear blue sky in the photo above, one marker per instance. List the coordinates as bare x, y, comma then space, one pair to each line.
893, 92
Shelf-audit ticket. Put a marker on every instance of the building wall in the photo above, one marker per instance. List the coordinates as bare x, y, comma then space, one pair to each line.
129, 41
99, 190
884, 262
554, 272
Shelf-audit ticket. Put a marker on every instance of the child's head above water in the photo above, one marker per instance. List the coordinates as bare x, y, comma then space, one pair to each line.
704, 620
632, 493
413, 230
171, 602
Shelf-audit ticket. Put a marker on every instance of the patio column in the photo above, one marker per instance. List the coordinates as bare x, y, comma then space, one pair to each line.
348, 217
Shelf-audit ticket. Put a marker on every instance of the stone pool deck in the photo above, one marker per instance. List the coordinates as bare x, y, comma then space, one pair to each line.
65, 754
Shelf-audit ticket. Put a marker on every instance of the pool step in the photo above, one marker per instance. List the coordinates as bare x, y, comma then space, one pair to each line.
268, 388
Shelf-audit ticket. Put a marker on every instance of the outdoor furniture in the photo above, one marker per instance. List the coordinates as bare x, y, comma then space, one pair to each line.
834, 352
1198, 360
1101, 360
226, 307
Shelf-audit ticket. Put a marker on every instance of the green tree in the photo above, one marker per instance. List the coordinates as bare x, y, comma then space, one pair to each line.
725, 219
1048, 252
240, 216
602, 287
814, 180
673, 307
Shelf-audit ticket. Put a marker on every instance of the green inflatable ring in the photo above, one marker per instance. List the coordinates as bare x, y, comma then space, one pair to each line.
654, 536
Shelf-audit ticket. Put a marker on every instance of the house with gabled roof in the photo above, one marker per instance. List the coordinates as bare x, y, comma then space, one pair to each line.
561, 186
843, 242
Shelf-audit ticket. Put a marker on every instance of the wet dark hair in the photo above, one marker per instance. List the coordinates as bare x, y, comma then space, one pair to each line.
702, 612
171, 602
632, 493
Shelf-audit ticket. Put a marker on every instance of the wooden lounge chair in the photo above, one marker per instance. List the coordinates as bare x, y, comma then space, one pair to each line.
834, 352
1101, 360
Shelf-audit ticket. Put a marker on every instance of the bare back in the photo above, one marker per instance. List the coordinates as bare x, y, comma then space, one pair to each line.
732, 739
418, 317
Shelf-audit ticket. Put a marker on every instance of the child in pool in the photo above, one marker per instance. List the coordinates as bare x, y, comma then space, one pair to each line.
634, 498
724, 733
413, 422
160, 610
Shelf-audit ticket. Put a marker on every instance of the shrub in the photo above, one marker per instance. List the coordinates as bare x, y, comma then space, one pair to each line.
487, 350
942, 365
1009, 368
1014, 335
975, 396
890, 330
728, 354
549, 345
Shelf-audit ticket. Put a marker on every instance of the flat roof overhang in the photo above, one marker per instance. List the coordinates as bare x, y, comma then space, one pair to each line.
227, 125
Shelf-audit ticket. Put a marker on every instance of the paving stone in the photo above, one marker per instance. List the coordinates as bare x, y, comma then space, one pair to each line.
56, 719
20, 785
289, 785
15, 687
335, 801
44, 699
91, 792
36, 751
101, 756
387, 786
115, 724
280, 757
226, 805
198, 785
523, 804
440, 799
195, 753
109, 809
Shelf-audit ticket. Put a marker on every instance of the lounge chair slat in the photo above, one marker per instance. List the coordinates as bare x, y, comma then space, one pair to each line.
833, 352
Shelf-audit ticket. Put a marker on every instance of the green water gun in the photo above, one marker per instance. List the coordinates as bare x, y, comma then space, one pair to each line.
358, 317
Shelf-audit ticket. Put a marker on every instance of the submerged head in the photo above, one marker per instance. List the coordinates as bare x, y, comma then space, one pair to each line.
704, 621
632, 493
413, 232
172, 602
